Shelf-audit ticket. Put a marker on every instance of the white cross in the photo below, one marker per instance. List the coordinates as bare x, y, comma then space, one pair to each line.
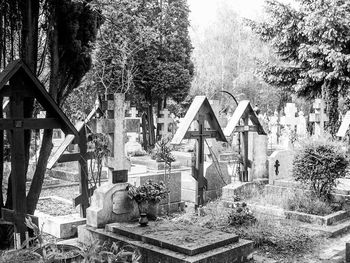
319, 117
133, 113
165, 121
291, 120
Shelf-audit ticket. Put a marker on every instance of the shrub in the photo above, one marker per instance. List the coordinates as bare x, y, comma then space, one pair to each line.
319, 164
241, 215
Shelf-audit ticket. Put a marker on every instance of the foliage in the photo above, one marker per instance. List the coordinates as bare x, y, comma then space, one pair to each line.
311, 41
106, 252
162, 151
318, 164
100, 143
307, 202
149, 191
241, 215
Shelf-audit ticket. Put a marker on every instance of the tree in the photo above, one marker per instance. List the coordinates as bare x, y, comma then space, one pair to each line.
312, 42
144, 49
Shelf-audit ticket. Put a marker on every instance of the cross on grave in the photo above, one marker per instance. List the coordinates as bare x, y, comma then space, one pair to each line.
244, 112
290, 112
319, 117
166, 121
114, 126
277, 164
133, 112
24, 84
201, 112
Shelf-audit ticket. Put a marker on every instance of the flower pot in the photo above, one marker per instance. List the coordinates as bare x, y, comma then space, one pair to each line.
143, 221
153, 210
61, 253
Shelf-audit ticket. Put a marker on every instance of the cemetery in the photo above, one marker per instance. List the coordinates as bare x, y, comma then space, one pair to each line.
123, 141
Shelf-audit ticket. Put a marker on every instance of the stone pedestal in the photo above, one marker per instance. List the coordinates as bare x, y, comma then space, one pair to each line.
110, 203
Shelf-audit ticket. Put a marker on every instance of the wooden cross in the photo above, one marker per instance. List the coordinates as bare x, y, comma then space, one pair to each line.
319, 117
166, 120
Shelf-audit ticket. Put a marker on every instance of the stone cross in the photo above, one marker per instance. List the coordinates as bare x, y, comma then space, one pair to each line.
274, 128
319, 117
291, 120
133, 113
166, 121
301, 126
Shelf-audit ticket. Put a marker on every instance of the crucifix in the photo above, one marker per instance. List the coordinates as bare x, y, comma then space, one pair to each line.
277, 165
319, 117
23, 84
201, 113
244, 113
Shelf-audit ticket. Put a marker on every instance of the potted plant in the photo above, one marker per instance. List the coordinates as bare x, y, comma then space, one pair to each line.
147, 197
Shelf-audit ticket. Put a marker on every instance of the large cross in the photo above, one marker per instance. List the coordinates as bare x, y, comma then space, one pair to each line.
291, 120
200, 137
319, 117
166, 120
133, 112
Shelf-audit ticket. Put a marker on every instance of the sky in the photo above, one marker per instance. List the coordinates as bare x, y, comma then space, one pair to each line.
203, 11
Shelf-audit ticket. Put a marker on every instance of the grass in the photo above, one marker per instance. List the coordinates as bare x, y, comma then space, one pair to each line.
280, 236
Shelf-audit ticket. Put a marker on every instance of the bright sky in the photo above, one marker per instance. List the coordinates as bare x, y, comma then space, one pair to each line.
203, 11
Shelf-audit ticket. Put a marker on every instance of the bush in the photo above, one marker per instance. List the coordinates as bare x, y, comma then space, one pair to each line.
241, 215
319, 164
307, 202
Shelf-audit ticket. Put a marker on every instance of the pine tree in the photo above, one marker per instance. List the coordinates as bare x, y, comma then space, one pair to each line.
312, 42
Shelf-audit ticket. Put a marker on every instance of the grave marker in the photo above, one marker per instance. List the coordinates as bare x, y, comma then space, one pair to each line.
201, 112
319, 117
244, 112
291, 120
345, 124
24, 84
166, 122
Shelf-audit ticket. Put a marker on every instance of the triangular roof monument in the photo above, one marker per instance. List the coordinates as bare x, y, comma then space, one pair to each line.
18, 82
202, 113
244, 120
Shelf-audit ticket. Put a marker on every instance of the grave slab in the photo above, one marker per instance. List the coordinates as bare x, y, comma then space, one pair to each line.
176, 237
237, 252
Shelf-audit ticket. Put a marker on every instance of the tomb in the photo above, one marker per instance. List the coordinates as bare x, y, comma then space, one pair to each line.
319, 117
174, 242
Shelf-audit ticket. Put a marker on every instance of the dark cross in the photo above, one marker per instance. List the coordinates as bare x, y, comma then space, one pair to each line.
277, 164
198, 174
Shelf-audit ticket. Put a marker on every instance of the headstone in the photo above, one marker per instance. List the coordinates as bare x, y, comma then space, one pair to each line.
301, 125
280, 165
274, 129
167, 123
319, 117
290, 112
133, 130
110, 202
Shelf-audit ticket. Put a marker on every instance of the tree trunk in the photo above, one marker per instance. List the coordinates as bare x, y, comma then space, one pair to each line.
38, 178
1, 158
151, 125
144, 132
332, 99
46, 145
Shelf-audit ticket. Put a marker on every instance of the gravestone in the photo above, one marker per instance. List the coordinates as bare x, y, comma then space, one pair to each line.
110, 202
133, 130
301, 125
274, 127
319, 117
166, 122
280, 165
244, 114
201, 114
